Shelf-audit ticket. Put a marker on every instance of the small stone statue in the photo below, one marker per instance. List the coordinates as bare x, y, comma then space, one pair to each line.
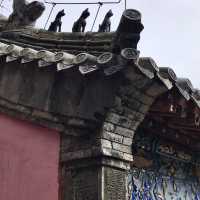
106, 24
25, 14
79, 25
57, 23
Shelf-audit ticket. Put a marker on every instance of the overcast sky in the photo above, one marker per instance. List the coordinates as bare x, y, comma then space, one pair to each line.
171, 35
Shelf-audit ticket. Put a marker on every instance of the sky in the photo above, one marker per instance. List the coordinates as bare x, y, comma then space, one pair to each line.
171, 34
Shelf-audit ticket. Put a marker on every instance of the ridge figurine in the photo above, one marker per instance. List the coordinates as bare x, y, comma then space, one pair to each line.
80, 24
24, 14
106, 24
57, 23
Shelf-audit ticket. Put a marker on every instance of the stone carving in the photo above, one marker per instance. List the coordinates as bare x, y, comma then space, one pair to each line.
130, 54
110, 64
106, 24
24, 14
80, 24
64, 60
57, 23
86, 63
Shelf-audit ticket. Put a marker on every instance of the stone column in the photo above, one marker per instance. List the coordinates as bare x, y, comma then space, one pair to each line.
88, 169
95, 162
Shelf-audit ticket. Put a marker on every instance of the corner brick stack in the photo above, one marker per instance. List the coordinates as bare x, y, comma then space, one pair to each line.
106, 152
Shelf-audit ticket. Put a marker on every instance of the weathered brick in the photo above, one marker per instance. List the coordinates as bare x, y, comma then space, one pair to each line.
128, 157
117, 154
119, 119
113, 118
125, 122
105, 143
134, 125
129, 113
108, 127
118, 105
133, 104
113, 153
124, 131
106, 151
122, 148
112, 137
127, 141
138, 116
141, 96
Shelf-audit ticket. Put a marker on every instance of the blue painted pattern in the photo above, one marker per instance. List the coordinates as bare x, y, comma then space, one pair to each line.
147, 185
172, 175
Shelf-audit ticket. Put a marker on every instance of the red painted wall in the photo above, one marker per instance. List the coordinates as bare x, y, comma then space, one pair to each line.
28, 161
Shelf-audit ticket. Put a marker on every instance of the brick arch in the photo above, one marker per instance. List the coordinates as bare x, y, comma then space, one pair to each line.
139, 89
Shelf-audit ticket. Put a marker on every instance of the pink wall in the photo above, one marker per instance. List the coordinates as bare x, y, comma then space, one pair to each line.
28, 161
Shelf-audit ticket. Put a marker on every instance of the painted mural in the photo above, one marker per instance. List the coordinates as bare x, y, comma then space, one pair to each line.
147, 185
171, 175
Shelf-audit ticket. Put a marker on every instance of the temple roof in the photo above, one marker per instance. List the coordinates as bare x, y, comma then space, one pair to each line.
60, 73
54, 48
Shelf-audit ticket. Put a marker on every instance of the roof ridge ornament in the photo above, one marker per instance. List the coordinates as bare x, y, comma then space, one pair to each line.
65, 60
45, 58
167, 72
3, 48
80, 24
106, 24
13, 52
28, 55
185, 84
87, 63
57, 23
128, 31
111, 63
24, 14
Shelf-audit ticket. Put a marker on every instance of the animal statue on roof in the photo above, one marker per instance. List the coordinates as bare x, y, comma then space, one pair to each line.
106, 24
57, 23
80, 24
24, 14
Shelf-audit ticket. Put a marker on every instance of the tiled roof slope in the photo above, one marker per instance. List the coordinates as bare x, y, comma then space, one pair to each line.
36, 47
92, 43
88, 64
60, 73
38, 70
38, 39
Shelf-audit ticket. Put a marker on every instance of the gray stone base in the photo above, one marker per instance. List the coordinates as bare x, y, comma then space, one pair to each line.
93, 181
